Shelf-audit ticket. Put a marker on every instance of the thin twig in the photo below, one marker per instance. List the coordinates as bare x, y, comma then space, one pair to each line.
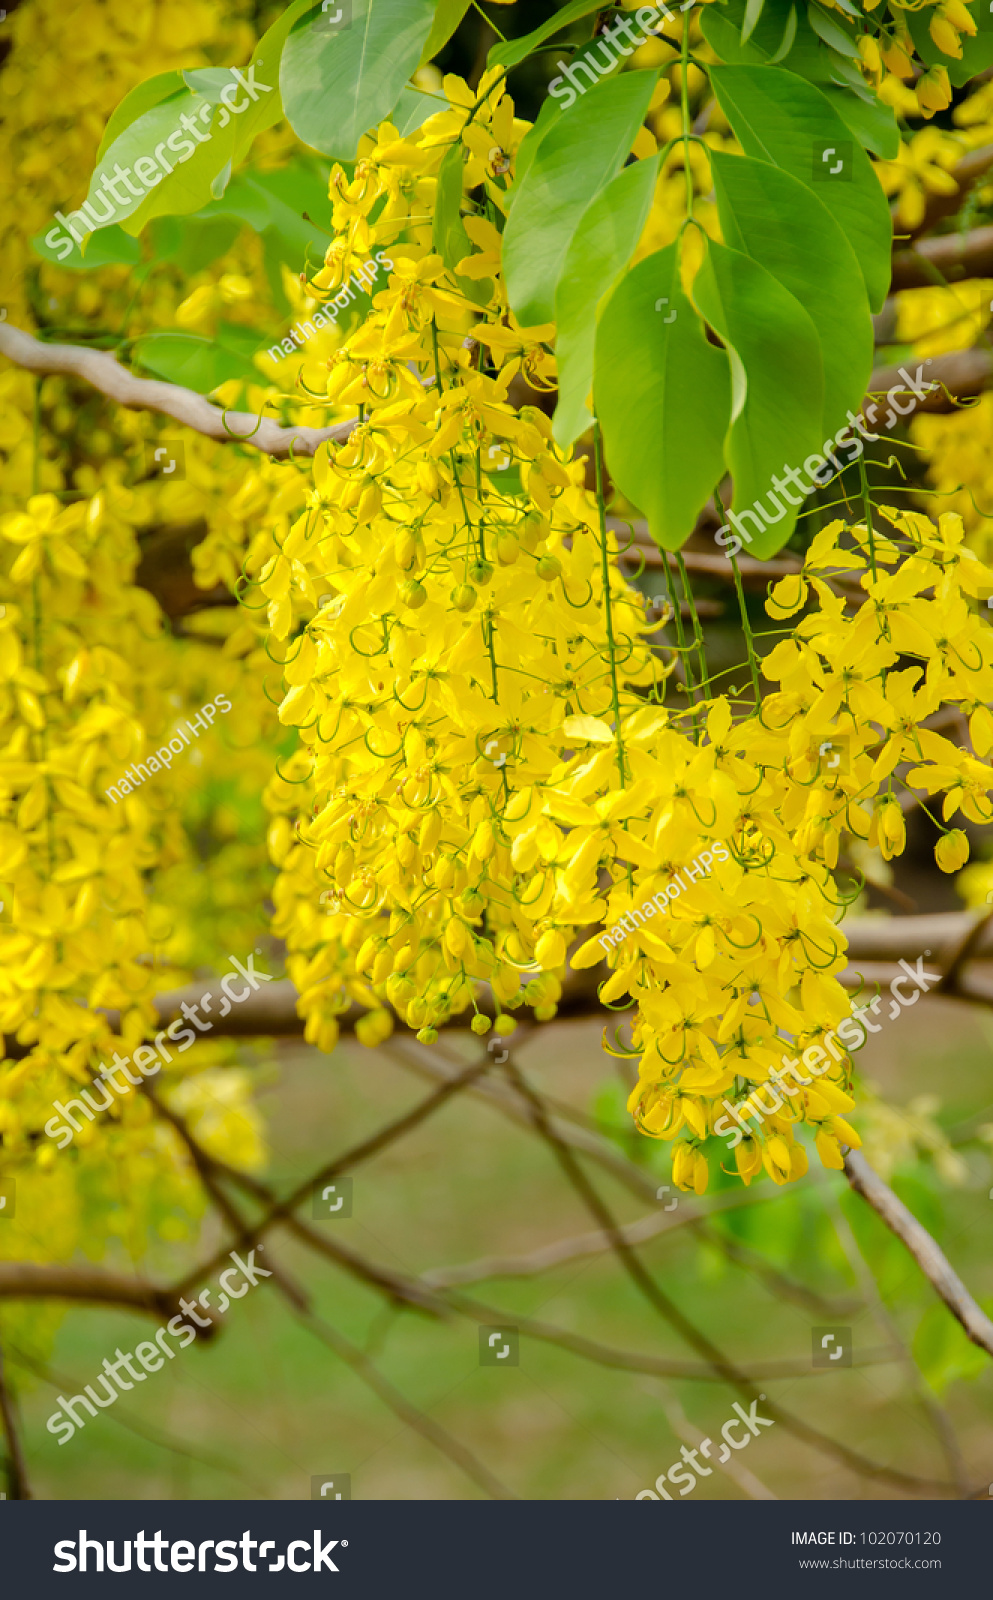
400, 1290
734, 1469
583, 1246
419, 1421
18, 1487
206, 1171
606, 1355
671, 1313
280, 1210
936, 1414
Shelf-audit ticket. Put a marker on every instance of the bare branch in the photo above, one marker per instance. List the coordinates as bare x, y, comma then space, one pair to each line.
408, 1413
925, 1251
30, 1280
937, 1416
103, 372
18, 1486
606, 1355
586, 1245
966, 173
961, 374
952, 255
401, 1290
667, 1308
734, 1469
967, 948
549, 1256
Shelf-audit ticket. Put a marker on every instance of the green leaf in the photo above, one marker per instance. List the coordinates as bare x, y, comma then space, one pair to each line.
277, 205
722, 26
788, 39
509, 53
663, 398
777, 384
778, 221
551, 108
602, 246
977, 49
783, 37
446, 19
141, 99
872, 122
844, 72
753, 11
109, 247
547, 117
413, 109
338, 84
448, 236
182, 170
780, 118
190, 243
578, 156
200, 364
831, 31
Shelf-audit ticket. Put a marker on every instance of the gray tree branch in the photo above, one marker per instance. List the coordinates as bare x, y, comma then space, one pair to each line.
103, 372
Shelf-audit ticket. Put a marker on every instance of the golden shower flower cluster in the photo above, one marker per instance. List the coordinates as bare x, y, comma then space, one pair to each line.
487, 770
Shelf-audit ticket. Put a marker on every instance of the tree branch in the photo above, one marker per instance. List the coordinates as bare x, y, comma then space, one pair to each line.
671, 1313
18, 1486
938, 1271
961, 375
584, 1245
954, 255
30, 1280
739, 1474
419, 1421
966, 173
103, 372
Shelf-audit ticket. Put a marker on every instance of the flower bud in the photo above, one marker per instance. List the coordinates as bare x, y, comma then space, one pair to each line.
412, 594
952, 850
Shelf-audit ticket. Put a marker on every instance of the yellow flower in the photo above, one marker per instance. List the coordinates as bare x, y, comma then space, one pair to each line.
934, 92
952, 850
920, 168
